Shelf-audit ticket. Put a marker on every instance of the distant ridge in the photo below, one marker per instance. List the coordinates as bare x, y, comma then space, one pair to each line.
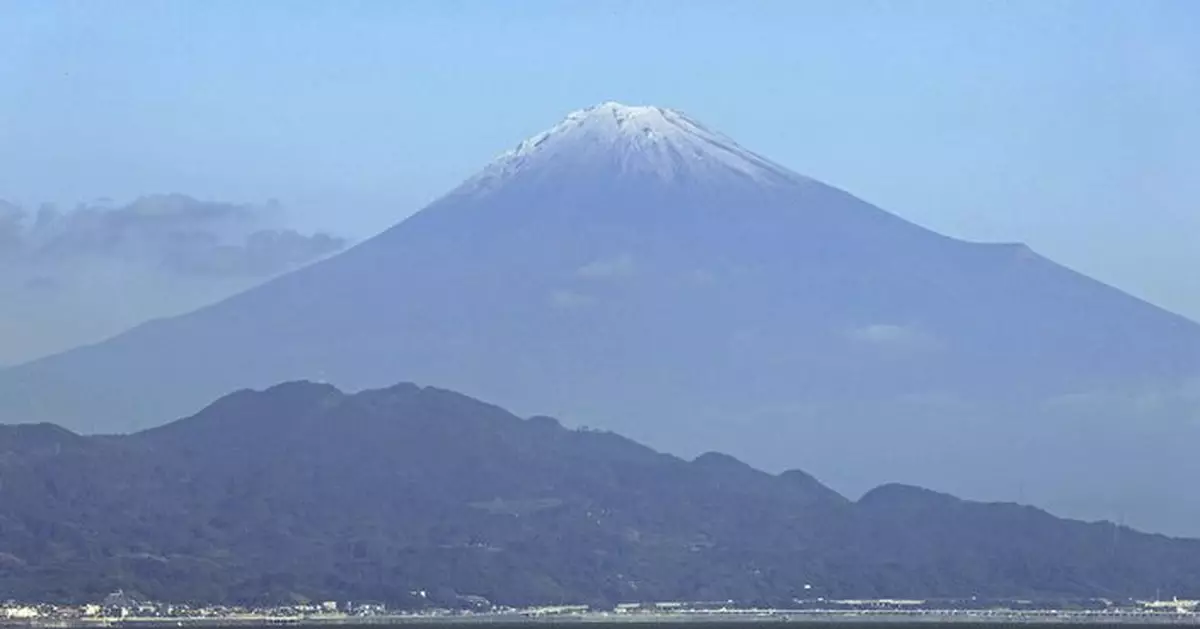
304, 492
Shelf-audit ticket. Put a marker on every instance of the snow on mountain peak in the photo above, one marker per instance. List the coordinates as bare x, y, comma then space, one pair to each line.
617, 141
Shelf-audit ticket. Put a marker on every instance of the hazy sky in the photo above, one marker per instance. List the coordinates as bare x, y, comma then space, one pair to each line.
1072, 126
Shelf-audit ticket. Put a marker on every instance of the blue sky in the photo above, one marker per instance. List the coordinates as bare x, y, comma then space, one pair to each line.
1072, 126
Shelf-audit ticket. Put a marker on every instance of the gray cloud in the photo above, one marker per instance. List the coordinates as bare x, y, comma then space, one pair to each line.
75, 276
11, 219
264, 252
1171, 402
170, 232
894, 335
621, 265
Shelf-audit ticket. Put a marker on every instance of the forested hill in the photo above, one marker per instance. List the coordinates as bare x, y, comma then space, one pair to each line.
302, 491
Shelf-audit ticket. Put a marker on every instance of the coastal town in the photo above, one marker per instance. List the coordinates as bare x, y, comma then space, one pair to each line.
120, 608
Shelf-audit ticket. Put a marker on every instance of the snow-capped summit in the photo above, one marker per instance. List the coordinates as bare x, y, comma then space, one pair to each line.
613, 140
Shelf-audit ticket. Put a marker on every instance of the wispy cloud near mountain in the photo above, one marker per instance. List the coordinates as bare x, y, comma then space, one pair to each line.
77, 275
173, 233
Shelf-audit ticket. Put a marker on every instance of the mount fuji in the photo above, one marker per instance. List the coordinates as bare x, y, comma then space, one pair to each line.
630, 269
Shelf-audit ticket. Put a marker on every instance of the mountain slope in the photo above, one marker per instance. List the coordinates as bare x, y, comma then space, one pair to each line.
634, 270
301, 490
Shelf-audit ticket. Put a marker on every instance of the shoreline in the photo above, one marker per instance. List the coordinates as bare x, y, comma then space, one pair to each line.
954, 617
